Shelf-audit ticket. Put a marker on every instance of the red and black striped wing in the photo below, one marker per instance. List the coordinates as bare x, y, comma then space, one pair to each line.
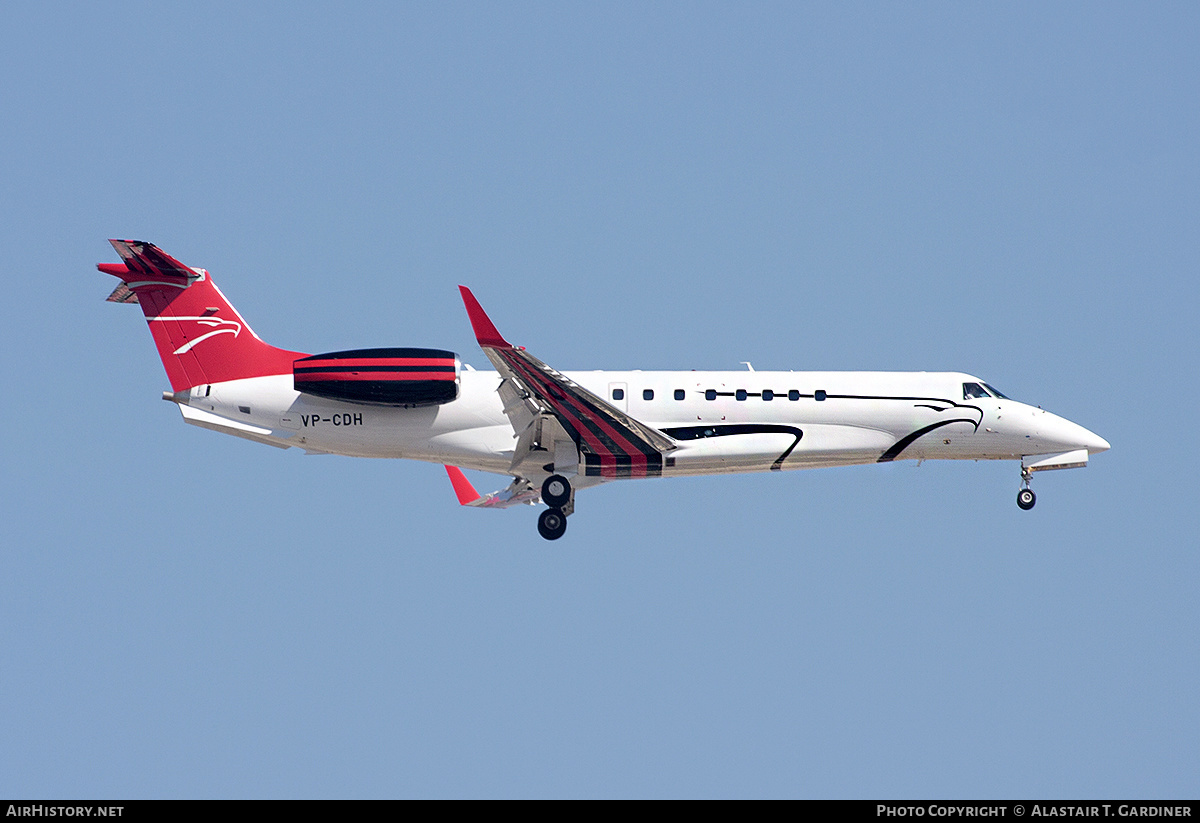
612, 443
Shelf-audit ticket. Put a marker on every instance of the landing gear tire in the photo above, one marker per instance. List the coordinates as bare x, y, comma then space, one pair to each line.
556, 491
1026, 498
552, 524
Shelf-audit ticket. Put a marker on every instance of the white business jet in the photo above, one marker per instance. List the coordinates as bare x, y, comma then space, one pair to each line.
555, 433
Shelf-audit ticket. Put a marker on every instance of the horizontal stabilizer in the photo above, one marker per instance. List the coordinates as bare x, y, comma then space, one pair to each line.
122, 294
146, 263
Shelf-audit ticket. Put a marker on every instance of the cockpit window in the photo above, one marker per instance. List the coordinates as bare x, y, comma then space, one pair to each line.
992, 389
973, 390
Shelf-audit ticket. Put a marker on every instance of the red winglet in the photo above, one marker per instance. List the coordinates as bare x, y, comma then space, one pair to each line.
485, 330
462, 486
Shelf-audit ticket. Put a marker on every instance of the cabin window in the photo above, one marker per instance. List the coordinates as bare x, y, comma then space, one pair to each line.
618, 394
793, 395
741, 394
768, 394
820, 394
710, 394
973, 390
680, 394
647, 394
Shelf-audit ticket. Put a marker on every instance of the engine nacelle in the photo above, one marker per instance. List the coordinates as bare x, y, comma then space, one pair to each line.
382, 377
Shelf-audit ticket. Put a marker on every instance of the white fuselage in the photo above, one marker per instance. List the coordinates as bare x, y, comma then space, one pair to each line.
782, 420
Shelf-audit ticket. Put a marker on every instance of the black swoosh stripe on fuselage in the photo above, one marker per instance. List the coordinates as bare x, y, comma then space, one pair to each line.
904, 442
730, 429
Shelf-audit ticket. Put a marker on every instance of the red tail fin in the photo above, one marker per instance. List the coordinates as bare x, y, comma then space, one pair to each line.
200, 337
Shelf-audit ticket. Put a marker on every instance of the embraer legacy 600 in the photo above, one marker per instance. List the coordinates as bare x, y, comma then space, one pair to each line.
553, 432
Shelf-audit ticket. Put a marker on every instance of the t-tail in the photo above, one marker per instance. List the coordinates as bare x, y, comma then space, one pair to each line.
200, 337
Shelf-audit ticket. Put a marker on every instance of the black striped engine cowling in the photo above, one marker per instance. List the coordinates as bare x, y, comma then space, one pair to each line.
386, 377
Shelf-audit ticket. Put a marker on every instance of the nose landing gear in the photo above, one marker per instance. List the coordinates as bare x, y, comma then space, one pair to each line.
1025, 497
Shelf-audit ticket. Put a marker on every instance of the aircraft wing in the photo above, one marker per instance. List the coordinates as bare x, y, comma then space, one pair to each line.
520, 492
610, 443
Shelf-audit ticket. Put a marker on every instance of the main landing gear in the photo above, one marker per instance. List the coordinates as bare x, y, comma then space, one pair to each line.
1025, 497
552, 524
556, 493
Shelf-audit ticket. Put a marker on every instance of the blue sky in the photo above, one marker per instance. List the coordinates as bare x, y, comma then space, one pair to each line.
1006, 190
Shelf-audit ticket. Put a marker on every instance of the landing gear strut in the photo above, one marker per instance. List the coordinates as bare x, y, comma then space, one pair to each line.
1025, 497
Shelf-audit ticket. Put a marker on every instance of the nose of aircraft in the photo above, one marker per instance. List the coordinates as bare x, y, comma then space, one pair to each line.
1091, 441
1069, 436
1095, 443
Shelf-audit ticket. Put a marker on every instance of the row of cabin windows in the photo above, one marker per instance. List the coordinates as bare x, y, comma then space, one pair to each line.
711, 394
970, 391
